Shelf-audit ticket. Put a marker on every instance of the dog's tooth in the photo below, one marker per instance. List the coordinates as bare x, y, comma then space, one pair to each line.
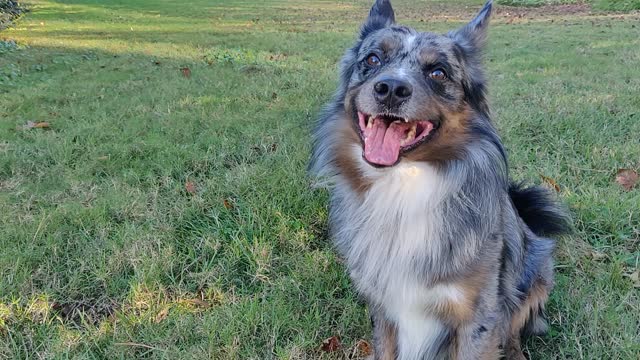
412, 132
408, 139
369, 123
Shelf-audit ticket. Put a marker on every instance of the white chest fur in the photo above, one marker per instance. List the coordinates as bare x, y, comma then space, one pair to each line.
389, 231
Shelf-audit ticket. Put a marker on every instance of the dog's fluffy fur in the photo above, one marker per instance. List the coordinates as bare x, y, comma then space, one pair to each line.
453, 261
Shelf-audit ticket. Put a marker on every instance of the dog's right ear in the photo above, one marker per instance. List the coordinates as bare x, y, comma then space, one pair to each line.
474, 34
380, 17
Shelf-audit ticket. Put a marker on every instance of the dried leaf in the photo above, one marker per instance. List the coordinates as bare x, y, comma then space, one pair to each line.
277, 57
364, 348
227, 204
162, 315
186, 72
200, 303
331, 344
190, 186
597, 256
635, 278
41, 125
34, 125
552, 183
627, 178
102, 158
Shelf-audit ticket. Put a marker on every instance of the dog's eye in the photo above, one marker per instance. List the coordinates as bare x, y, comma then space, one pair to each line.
373, 60
438, 74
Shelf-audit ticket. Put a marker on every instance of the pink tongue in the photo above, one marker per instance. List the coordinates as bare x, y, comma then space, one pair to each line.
382, 143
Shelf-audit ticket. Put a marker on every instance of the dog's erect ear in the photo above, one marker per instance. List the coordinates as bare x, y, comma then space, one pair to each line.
474, 34
380, 16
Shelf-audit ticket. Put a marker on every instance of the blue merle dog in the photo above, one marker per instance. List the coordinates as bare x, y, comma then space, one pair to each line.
453, 260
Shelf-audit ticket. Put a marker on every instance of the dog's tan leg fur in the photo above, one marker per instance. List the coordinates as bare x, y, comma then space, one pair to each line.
384, 339
492, 350
537, 296
513, 351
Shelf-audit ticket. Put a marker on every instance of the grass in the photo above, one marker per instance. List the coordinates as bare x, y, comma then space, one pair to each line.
617, 5
537, 2
170, 217
607, 5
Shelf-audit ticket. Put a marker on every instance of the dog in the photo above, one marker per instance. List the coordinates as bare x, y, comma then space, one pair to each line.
453, 260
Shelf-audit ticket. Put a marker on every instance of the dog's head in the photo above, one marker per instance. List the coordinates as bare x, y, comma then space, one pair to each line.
412, 94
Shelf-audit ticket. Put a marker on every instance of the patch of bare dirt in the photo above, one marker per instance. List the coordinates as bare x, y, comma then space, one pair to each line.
545, 10
502, 13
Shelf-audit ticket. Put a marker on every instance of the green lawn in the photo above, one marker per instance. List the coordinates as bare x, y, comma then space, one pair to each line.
166, 216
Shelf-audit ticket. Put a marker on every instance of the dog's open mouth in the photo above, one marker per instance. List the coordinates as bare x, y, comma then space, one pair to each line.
385, 137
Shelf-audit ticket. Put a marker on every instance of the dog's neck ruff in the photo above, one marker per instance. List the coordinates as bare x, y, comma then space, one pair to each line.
396, 217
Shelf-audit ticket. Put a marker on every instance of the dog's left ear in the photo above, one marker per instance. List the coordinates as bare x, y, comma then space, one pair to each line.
474, 34
380, 17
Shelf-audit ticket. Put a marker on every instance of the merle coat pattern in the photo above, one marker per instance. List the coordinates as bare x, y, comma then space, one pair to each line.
453, 261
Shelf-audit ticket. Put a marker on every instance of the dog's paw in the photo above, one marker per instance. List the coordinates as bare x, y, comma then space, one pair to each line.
536, 326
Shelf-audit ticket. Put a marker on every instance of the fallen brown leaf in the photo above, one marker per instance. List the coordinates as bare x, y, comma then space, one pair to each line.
331, 344
199, 303
162, 315
277, 57
364, 348
190, 186
227, 204
597, 256
552, 183
41, 125
627, 178
186, 72
635, 278
34, 125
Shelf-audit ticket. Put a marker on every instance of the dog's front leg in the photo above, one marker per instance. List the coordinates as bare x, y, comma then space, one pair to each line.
476, 341
384, 337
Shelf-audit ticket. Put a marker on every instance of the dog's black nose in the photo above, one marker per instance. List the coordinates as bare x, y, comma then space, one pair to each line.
392, 92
